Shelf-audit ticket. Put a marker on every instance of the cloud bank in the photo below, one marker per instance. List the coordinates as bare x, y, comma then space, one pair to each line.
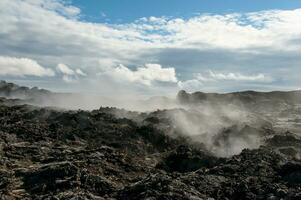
143, 75
11, 66
69, 75
261, 50
202, 79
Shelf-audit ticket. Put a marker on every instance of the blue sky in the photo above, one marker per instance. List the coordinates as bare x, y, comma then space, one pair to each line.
122, 11
155, 47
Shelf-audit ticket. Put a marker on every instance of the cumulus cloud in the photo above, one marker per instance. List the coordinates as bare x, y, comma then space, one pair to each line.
193, 85
214, 76
65, 69
12, 66
68, 79
56, 5
144, 75
69, 75
80, 72
269, 41
201, 79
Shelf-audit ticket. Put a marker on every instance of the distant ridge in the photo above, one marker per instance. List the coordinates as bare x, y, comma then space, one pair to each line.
243, 96
272, 102
11, 90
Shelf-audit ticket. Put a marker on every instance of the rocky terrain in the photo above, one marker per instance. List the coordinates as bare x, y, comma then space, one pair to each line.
243, 145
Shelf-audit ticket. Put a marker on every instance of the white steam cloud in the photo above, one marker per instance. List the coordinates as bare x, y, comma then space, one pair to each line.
225, 130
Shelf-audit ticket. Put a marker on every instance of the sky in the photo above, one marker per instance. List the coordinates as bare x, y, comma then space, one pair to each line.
121, 11
139, 47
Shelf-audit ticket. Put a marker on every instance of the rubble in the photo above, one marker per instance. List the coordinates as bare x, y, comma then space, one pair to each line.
48, 153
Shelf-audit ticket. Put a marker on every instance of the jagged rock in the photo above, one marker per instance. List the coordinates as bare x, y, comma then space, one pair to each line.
291, 172
5, 178
50, 177
97, 184
286, 139
185, 159
159, 186
110, 153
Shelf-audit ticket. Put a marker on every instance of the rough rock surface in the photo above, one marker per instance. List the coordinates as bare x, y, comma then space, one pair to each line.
46, 153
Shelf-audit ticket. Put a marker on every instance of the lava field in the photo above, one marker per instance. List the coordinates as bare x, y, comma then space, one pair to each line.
188, 152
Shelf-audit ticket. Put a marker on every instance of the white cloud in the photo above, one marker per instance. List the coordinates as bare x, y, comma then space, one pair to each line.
259, 29
80, 72
65, 69
69, 75
51, 32
201, 80
58, 6
102, 14
69, 79
12, 66
144, 75
193, 84
234, 77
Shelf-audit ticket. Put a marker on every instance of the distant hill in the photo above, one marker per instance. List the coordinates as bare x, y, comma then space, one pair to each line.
11, 90
274, 101
244, 96
42, 97
248, 99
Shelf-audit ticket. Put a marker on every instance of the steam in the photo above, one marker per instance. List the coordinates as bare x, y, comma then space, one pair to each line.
224, 130
220, 128
91, 102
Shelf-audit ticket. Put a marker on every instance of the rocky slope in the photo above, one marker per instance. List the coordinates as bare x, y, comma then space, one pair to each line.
109, 153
